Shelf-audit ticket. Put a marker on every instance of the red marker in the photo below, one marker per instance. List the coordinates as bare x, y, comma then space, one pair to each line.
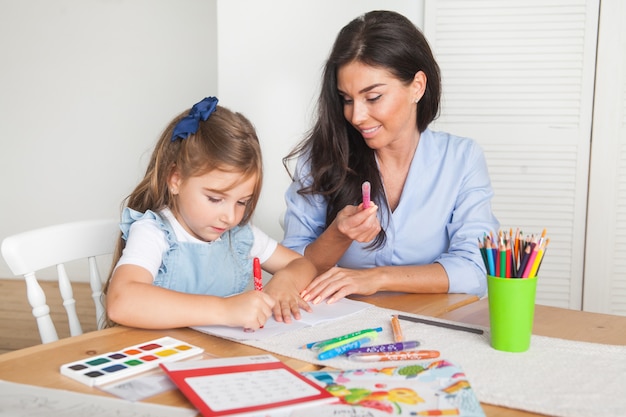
365, 189
258, 275
258, 282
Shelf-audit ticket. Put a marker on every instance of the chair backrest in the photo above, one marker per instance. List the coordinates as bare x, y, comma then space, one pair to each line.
29, 252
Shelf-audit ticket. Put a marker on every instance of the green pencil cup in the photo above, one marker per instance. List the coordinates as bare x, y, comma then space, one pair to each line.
511, 312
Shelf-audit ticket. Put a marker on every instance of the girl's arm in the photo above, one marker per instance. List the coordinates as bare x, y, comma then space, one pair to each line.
291, 274
132, 300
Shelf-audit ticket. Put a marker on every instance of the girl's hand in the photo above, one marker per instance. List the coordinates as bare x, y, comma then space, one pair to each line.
337, 283
250, 309
357, 223
288, 300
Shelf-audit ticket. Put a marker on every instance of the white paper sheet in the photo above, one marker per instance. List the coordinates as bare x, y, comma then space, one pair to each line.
322, 313
20, 400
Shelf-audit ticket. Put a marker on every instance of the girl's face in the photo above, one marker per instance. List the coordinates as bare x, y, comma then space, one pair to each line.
210, 204
379, 105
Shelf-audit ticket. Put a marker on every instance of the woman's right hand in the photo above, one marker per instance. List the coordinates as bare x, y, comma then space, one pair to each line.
356, 223
352, 223
250, 309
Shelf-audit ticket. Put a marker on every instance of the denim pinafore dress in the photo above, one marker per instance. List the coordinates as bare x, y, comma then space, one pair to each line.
221, 268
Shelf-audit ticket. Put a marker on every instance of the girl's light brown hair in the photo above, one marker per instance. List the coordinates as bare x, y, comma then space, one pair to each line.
226, 141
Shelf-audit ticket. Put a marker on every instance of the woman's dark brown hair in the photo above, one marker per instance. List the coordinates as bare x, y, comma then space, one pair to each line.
339, 158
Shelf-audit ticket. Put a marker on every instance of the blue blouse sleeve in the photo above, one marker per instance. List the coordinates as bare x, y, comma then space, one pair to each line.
471, 218
305, 216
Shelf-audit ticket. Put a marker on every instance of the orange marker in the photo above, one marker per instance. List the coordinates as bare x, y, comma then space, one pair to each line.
397, 330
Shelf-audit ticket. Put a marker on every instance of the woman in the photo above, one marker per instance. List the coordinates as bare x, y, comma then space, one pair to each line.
430, 191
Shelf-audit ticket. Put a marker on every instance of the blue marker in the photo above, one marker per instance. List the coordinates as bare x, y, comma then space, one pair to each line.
331, 353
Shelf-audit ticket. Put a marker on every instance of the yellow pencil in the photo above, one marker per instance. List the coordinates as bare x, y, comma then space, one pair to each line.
537, 263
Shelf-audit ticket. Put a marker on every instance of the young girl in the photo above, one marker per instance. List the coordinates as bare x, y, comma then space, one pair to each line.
186, 250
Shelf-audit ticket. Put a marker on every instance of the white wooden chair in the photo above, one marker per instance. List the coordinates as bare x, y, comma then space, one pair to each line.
28, 252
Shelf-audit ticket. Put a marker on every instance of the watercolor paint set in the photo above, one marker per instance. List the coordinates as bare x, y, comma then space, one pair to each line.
130, 361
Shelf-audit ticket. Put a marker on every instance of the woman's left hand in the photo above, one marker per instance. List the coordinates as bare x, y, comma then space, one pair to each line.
337, 283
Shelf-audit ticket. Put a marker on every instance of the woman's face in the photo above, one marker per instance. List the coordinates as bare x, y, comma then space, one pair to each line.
378, 104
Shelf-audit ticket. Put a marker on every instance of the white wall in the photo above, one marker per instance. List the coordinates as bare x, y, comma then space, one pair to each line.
86, 87
271, 55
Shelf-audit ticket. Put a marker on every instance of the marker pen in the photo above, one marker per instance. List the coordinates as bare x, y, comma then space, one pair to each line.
331, 353
390, 347
372, 335
365, 189
258, 275
445, 412
258, 283
402, 355
326, 343
397, 329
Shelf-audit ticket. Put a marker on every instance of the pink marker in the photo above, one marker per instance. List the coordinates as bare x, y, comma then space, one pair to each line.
365, 188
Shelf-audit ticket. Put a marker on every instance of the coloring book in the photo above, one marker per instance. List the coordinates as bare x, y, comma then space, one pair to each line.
426, 388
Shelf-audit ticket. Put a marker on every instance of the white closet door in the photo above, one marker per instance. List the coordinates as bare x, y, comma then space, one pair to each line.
605, 268
518, 77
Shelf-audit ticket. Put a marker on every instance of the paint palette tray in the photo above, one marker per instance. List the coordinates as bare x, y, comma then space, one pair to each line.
130, 361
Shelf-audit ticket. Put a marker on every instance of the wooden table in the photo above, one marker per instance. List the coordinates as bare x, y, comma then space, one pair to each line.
553, 322
39, 365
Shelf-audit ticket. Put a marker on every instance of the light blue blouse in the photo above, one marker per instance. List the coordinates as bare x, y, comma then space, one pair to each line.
445, 207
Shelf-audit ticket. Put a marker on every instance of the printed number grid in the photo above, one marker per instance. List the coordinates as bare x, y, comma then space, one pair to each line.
240, 390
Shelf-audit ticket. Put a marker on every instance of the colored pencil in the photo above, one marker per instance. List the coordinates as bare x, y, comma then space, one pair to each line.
508, 255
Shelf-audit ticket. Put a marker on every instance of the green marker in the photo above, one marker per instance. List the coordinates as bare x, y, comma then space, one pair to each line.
337, 341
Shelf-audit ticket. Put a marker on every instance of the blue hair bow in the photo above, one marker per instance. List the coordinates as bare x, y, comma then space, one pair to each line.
189, 124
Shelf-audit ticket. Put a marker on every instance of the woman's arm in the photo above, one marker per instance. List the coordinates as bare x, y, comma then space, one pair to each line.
339, 282
305, 225
351, 224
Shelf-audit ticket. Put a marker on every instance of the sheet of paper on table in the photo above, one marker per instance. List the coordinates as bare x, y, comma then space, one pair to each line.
21, 400
322, 313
